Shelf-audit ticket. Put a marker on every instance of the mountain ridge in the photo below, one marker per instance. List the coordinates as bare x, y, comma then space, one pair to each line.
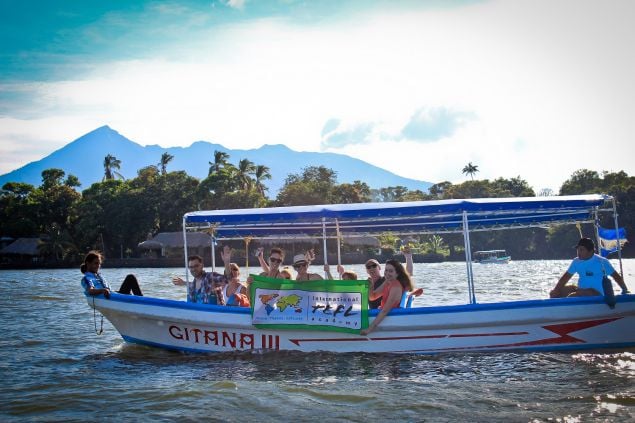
83, 157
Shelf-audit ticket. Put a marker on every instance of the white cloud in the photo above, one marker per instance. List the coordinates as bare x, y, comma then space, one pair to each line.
554, 79
236, 4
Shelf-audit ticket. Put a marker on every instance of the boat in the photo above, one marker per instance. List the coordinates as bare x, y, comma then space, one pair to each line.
492, 256
531, 325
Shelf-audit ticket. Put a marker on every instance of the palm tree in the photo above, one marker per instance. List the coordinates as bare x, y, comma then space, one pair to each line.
261, 173
58, 244
435, 244
110, 164
220, 160
245, 168
165, 159
470, 169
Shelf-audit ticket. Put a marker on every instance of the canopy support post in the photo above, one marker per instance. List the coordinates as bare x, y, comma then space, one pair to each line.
247, 241
339, 242
617, 237
468, 259
326, 261
187, 274
596, 228
213, 249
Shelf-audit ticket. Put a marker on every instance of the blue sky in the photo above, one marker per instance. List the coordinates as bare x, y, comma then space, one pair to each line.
528, 87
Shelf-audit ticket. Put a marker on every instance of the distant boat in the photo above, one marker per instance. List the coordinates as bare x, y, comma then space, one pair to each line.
492, 256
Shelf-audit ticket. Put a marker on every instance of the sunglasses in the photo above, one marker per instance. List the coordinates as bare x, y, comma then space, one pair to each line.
297, 266
275, 260
371, 266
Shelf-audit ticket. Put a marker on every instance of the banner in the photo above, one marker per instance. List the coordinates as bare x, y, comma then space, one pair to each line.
317, 305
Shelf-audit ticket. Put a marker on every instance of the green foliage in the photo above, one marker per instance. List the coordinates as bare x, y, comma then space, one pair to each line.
499, 188
357, 192
618, 184
17, 210
582, 181
470, 189
387, 242
314, 185
57, 245
115, 215
388, 194
436, 245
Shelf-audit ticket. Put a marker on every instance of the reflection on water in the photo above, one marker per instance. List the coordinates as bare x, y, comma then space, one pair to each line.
56, 368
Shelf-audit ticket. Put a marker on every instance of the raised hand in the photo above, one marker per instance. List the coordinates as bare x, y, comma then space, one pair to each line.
226, 254
310, 255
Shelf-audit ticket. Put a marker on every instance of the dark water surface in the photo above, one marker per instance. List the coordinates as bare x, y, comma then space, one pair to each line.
53, 367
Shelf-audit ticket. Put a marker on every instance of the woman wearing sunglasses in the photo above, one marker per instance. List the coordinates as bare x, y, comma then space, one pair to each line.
397, 281
301, 265
234, 291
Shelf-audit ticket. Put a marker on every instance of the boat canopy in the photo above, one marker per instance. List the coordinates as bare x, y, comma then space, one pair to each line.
417, 217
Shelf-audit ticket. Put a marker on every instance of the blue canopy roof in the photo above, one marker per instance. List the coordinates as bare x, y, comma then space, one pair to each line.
403, 217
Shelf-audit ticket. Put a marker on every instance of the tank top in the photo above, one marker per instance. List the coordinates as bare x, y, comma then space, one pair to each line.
240, 288
386, 291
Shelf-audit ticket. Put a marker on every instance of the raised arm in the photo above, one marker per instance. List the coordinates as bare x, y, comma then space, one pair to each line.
373, 294
226, 256
340, 270
408, 255
310, 255
262, 261
394, 296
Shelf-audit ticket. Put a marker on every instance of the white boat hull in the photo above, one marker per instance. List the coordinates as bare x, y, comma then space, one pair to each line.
547, 325
497, 260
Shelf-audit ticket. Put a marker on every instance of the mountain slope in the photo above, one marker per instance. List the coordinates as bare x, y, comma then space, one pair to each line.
84, 158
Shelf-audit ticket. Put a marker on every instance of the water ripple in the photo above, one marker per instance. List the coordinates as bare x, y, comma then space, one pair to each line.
55, 368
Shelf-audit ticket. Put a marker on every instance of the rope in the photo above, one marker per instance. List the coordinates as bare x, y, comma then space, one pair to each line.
101, 329
247, 241
577, 225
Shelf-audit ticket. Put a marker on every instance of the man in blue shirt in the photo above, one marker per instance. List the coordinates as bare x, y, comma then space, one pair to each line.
591, 268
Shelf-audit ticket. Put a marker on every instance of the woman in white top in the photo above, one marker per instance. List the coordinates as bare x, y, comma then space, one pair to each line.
232, 273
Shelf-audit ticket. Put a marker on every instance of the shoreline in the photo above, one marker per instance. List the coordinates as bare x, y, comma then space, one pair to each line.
178, 262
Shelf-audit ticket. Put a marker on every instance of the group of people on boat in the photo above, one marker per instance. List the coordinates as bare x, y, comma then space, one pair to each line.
385, 291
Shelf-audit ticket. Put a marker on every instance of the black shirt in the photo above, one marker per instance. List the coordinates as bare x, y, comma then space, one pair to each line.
376, 303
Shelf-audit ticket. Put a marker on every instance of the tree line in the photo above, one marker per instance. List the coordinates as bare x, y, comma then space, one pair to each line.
114, 215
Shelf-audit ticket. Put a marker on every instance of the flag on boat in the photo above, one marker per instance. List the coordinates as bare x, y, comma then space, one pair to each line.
609, 239
340, 306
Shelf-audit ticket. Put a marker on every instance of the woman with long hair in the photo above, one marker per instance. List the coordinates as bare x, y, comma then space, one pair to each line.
94, 284
397, 282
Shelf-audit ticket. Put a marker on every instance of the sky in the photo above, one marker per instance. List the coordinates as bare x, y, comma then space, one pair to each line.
529, 88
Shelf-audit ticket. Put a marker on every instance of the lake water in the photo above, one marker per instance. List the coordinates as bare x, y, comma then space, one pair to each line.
53, 366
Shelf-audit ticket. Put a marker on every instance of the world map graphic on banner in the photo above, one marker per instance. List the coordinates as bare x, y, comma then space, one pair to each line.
317, 305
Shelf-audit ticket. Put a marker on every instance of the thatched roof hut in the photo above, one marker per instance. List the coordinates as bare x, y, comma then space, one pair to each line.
23, 247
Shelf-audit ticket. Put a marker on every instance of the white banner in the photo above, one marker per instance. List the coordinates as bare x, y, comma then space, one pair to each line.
311, 308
